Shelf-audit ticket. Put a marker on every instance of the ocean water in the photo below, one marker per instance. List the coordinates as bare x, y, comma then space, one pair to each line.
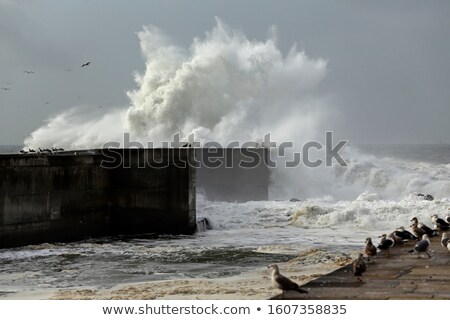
375, 193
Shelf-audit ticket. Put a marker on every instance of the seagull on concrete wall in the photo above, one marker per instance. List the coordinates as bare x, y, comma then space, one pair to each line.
430, 232
370, 250
445, 241
439, 223
359, 267
422, 246
283, 283
404, 234
386, 243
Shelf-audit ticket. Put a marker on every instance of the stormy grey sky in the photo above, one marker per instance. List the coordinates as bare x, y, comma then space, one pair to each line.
388, 61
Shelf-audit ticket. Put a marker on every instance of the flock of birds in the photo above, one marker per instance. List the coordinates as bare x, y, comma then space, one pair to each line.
29, 72
8, 86
420, 233
41, 151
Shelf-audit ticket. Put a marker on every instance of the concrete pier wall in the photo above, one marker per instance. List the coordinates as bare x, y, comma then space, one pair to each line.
234, 174
68, 196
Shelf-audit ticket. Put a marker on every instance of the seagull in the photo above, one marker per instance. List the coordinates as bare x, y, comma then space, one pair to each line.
445, 240
359, 267
439, 223
86, 64
5, 88
370, 250
418, 232
28, 72
422, 246
282, 282
400, 232
397, 240
430, 232
386, 243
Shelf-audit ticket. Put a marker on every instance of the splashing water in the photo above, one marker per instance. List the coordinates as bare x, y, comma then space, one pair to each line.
224, 88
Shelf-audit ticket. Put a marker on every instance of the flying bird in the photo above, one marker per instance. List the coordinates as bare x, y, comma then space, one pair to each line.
282, 282
422, 246
370, 250
359, 267
28, 72
86, 64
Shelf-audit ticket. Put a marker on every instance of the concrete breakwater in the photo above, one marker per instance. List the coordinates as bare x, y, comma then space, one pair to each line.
69, 196
233, 174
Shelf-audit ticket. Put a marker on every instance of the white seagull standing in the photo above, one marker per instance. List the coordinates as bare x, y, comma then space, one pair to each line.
422, 246
445, 241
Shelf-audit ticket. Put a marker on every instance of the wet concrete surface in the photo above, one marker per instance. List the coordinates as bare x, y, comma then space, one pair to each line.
401, 275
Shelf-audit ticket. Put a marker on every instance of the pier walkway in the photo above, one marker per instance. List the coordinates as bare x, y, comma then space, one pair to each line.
400, 276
